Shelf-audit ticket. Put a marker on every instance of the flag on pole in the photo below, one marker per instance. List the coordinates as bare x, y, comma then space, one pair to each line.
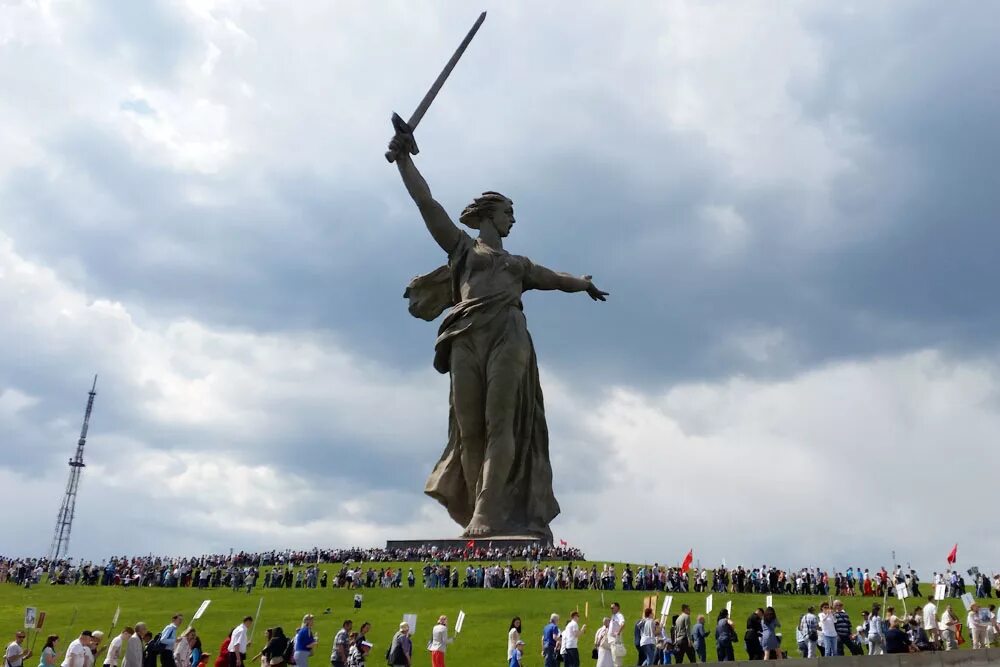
686, 565
471, 544
953, 555
562, 543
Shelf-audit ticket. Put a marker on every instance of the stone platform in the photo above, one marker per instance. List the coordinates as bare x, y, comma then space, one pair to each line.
517, 541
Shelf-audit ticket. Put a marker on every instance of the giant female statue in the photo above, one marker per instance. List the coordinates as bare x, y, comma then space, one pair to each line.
494, 476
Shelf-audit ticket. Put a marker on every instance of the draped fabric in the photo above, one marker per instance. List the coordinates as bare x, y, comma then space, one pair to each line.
528, 503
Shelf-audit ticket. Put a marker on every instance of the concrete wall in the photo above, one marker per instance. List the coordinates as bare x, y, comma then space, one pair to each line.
972, 658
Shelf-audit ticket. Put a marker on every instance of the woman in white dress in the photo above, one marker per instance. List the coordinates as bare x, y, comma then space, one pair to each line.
513, 636
604, 658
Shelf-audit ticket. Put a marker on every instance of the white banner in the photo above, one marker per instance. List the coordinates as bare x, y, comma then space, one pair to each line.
940, 591
411, 620
902, 592
30, 617
201, 610
667, 601
768, 602
459, 622
708, 605
729, 608
114, 621
968, 601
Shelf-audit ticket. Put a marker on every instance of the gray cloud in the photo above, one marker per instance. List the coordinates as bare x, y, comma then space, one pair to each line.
765, 193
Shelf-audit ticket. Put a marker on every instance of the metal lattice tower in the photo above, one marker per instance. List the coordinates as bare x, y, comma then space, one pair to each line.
64, 522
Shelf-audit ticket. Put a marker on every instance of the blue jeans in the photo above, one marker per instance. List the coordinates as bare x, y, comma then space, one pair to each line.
648, 653
829, 646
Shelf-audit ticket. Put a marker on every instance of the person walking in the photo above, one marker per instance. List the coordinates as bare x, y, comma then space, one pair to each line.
682, 636
550, 642
930, 621
168, 638
948, 626
342, 645
616, 627
603, 645
439, 642
182, 648
516, 654
401, 647
828, 628
725, 635
698, 636
513, 635
116, 648
133, 656
48, 655
305, 642
769, 635
277, 648
876, 631
845, 635
76, 652
571, 640
15, 655
751, 640
647, 638
239, 642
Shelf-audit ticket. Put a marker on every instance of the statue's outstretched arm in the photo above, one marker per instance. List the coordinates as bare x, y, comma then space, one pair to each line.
540, 277
439, 224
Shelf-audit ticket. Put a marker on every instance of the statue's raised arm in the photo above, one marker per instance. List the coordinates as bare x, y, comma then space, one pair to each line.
439, 224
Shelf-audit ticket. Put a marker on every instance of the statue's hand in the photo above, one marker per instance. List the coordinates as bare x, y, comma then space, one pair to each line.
593, 292
399, 146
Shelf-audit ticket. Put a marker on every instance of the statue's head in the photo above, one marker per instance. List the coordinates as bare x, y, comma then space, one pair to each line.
492, 207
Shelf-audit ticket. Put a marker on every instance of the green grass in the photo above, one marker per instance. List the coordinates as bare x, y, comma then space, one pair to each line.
482, 641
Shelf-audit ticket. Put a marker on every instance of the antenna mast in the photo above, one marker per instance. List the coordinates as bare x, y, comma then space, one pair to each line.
64, 522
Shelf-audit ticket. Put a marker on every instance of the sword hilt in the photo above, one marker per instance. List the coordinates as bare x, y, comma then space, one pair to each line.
405, 131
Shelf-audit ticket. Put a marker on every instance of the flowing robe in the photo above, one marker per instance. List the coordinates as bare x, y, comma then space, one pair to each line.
485, 312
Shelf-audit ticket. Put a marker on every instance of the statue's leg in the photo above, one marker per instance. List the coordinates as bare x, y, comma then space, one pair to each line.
468, 386
504, 373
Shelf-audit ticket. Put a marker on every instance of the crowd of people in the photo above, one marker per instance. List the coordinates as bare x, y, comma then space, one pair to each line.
281, 567
830, 631
137, 646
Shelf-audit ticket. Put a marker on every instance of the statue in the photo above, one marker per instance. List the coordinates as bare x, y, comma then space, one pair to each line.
494, 476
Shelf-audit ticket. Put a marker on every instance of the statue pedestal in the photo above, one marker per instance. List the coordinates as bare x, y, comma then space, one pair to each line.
461, 543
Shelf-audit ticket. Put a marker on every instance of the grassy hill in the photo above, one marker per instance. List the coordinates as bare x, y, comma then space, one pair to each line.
482, 641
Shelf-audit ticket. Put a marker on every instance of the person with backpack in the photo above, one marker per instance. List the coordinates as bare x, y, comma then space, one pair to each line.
167, 639
725, 636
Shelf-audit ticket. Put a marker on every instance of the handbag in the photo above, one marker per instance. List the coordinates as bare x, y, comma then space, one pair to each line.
619, 650
593, 653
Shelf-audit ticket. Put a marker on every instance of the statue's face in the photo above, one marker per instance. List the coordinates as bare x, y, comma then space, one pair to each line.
503, 219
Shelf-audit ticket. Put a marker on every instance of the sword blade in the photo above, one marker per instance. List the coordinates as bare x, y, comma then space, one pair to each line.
443, 76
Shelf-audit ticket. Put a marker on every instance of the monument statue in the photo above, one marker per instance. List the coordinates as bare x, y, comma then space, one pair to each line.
494, 477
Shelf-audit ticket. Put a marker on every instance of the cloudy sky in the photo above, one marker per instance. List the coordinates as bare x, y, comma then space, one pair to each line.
793, 205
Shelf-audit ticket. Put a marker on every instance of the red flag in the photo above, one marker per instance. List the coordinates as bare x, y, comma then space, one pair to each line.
471, 544
686, 565
562, 542
953, 556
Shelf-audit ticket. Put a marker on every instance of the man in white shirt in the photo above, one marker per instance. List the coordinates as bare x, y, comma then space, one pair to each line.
930, 620
116, 646
76, 652
239, 642
615, 628
15, 653
571, 640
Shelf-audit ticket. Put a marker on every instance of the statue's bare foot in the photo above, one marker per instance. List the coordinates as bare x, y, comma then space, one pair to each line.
477, 528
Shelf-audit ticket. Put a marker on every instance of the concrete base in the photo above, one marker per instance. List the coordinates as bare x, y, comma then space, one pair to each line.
966, 658
517, 541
